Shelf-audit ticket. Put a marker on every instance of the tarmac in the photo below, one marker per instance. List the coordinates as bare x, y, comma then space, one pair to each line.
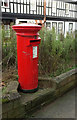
63, 107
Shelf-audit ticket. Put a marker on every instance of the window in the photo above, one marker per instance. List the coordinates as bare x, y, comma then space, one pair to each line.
48, 25
66, 8
60, 28
54, 24
39, 7
54, 7
7, 30
70, 27
48, 7
5, 3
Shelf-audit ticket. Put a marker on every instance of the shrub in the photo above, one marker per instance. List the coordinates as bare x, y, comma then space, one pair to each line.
56, 53
9, 49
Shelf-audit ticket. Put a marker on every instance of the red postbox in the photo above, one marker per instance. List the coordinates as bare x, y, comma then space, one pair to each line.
28, 41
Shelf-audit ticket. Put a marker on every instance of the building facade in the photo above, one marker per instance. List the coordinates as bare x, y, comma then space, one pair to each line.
59, 14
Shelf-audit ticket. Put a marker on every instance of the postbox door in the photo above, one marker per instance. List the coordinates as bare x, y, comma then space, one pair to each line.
35, 63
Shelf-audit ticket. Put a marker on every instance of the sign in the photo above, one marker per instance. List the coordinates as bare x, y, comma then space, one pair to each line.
33, 4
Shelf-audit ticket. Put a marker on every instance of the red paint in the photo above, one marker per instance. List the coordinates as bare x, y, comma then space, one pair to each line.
27, 38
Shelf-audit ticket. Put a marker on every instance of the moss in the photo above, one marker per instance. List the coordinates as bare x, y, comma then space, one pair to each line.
5, 100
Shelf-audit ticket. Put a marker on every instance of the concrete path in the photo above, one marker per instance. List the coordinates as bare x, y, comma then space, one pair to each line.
63, 107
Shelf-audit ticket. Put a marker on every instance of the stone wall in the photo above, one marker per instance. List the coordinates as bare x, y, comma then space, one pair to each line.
22, 105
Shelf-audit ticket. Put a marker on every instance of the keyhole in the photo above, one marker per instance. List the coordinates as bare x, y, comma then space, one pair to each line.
35, 37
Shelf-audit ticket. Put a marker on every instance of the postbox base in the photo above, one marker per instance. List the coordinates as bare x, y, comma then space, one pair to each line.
26, 91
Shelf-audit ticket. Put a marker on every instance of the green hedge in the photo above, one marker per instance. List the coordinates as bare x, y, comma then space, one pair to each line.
56, 53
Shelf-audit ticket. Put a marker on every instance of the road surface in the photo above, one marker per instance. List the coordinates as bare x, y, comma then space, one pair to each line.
63, 107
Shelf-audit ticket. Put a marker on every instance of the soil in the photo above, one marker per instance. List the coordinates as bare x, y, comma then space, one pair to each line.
8, 75
11, 74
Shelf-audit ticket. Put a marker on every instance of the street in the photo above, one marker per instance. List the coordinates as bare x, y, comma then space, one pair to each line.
63, 107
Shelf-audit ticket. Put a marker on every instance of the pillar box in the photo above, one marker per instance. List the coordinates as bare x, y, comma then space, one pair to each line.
28, 41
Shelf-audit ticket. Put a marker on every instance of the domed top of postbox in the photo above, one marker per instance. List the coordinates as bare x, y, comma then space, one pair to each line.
26, 28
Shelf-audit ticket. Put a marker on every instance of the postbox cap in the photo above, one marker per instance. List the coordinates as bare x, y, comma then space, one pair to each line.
26, 25
26, 28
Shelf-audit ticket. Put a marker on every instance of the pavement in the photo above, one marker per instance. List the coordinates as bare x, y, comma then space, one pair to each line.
63, 107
